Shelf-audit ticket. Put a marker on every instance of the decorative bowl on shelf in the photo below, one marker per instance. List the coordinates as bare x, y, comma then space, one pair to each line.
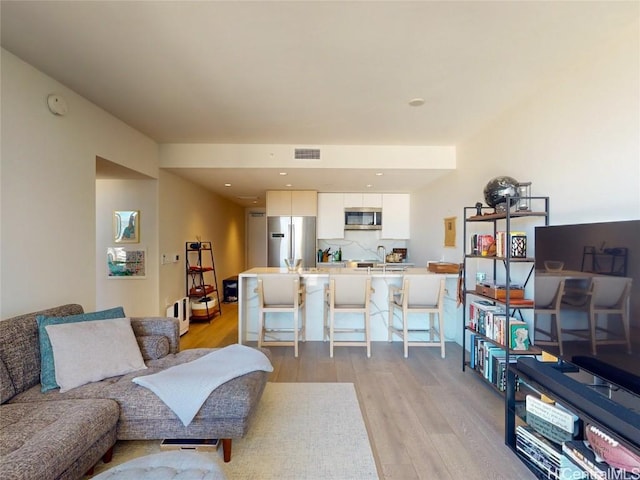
553, 265
293, 264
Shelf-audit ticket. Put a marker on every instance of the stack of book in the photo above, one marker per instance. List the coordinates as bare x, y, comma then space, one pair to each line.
480, 315
540, 442
545, 455
490, 361
550, 441
481, 244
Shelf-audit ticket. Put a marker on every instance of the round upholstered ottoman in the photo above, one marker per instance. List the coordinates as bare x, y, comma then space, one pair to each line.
167, 466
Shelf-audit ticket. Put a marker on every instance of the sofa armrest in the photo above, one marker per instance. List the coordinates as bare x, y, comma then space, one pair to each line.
166, 326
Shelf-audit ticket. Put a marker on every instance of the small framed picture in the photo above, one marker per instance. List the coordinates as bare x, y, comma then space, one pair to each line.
450, 232
126, 262
126, 226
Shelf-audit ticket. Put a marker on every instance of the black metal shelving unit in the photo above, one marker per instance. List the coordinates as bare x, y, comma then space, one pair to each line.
473, 215
201, 280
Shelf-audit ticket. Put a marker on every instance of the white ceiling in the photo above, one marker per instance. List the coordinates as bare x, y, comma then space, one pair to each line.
308, 73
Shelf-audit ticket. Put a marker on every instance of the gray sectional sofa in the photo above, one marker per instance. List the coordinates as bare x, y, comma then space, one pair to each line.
57, 435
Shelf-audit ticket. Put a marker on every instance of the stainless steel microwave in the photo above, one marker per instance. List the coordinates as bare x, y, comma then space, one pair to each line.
363, 218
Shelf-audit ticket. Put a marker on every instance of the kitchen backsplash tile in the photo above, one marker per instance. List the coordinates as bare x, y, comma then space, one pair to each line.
362, 245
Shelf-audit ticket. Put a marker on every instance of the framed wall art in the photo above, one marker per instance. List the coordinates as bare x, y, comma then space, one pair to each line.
450, 232
126, 226
126, 262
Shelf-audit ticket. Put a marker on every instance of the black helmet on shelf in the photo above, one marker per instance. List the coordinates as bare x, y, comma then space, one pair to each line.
497, 189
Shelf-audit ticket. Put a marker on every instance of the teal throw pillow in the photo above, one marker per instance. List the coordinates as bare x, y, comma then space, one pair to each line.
47, 367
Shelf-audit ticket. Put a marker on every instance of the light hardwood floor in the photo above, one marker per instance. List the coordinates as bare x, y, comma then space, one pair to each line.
425, 417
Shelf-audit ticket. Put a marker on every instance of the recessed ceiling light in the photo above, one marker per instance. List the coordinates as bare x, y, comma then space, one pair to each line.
227, 184
288, 185
283, 174
416, 102
369, 186
379, 174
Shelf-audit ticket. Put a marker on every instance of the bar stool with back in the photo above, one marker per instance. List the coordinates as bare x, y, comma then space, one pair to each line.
419, 294
281, 293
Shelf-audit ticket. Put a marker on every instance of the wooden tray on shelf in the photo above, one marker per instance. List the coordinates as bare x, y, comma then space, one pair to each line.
443, 267
499, 292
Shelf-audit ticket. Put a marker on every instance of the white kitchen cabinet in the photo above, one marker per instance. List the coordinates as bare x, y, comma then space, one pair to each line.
298, 203
330, 215
360, 200
396, 215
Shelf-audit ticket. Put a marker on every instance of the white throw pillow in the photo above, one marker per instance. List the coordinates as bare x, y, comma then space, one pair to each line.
92, 351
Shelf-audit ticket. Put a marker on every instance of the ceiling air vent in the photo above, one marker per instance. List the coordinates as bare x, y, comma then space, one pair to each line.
307, 154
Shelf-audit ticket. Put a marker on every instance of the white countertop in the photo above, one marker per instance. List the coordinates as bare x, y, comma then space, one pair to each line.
388, 271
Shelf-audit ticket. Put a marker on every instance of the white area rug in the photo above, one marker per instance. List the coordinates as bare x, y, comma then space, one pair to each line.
305, 431
302, 431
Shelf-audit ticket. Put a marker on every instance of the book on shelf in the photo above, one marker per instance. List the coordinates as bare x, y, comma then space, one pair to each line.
553, 414
478, 313
501, 372
516, 246
490, 351
489, 360
519, 335
481, 244
549, 458
472, 350
549, 430
498, 327
495, 356
480, 343
492, 323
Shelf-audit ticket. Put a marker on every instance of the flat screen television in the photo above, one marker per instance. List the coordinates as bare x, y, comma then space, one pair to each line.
579, 252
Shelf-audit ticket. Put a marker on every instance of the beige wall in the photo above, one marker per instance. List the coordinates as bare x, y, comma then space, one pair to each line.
47, 189
188, 211
56, 218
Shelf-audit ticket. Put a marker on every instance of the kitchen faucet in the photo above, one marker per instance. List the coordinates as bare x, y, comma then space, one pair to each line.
384, 253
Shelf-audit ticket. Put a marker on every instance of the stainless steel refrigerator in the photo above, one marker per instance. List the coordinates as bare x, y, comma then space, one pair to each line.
291, 237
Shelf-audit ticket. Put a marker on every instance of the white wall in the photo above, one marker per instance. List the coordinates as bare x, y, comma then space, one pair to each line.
47, 189
139, 297
577, 140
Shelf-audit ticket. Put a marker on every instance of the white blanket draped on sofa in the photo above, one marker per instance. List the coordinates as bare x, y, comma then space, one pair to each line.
184, 388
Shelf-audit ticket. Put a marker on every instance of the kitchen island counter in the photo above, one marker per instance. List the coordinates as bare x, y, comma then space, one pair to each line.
315, 280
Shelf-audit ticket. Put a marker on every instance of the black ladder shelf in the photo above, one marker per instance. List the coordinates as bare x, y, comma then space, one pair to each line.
201, 281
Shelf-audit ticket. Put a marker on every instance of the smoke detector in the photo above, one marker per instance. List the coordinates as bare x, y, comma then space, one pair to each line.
57, 104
